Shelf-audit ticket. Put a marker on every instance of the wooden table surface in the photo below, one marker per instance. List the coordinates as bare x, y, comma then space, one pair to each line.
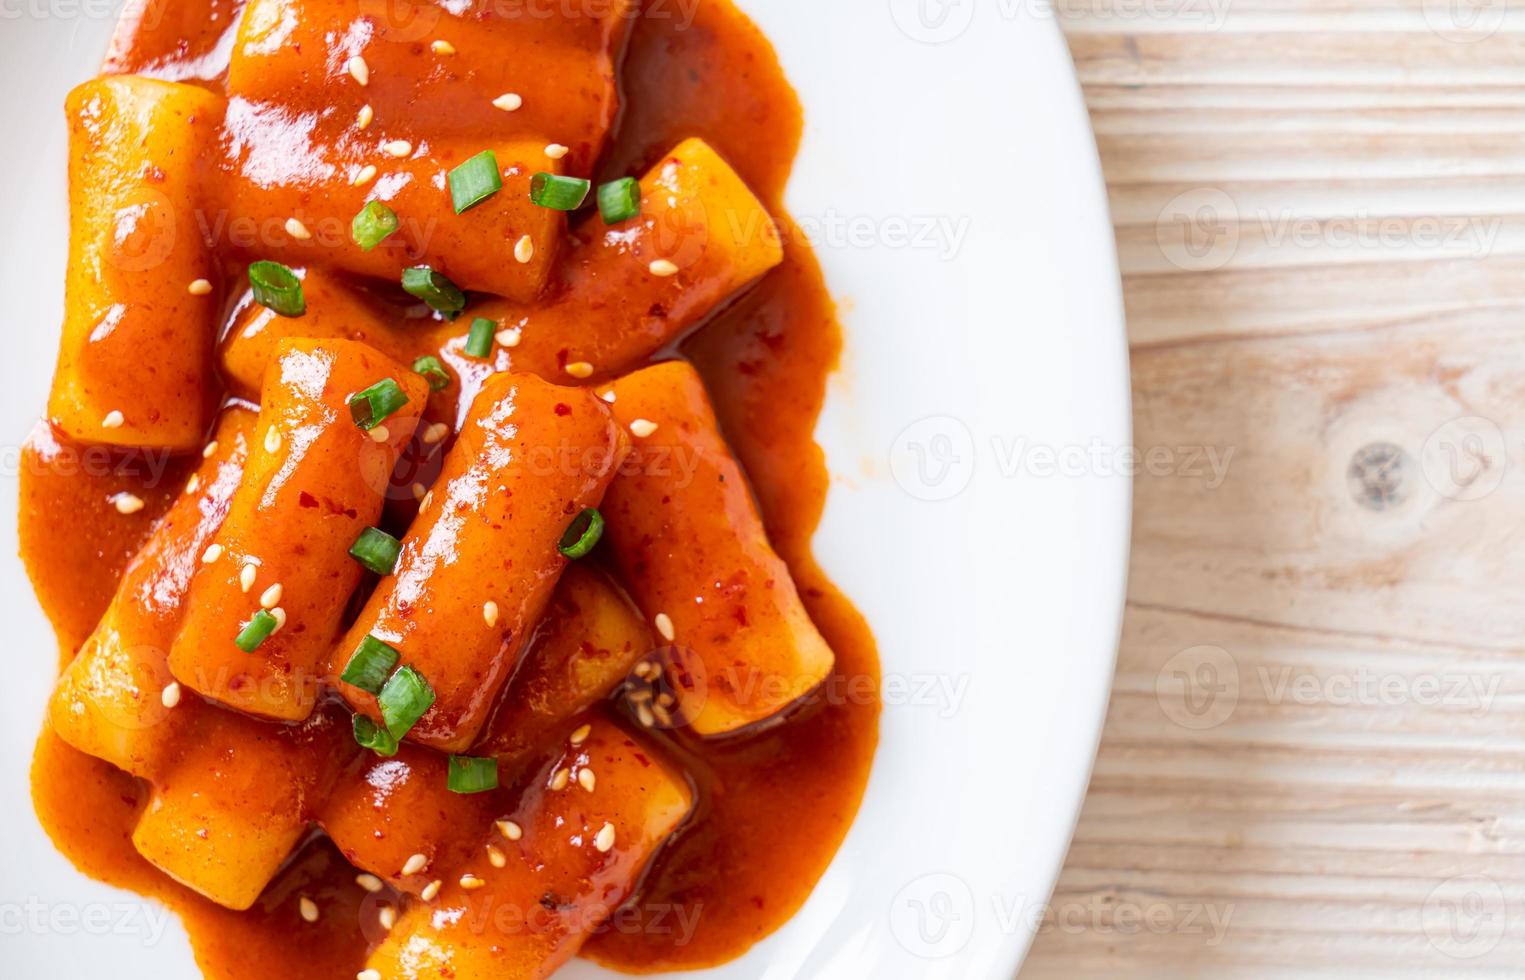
1314, 762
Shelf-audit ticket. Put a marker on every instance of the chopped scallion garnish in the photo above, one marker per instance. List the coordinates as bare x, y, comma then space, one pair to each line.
559, 193
471, 775
376, 550
582, 534
277, 288
373, 225
372, 406
256, 631
433, 371
479, 341
439, 292
370, 665
404, 700
372, 736
475, 181
619, 200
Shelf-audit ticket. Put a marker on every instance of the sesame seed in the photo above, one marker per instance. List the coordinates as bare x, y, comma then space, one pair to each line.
496, 857
113, 419
424, 504
370, 883
271, 596
581, 735
641, 428
509, 101
193, 483
209, 449
510, 830
246, 577
471, 882
604, 840
309, 909
359, 70
380, 434
368, 975
364, 117
524, 249
430, 890
559, 780
663, 623
510, 337
490, 612
272, 440
199, 287
397, 148
213, 552
420, 491
442, 47
608, 396
586, 779
170, 696
662, 268
556, 151
127, 503
280, 619
580, 369
415, 864
297, 230
436, 433
387, 916
365, 176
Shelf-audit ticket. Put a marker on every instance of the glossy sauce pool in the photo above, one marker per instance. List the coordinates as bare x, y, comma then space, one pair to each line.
774, 806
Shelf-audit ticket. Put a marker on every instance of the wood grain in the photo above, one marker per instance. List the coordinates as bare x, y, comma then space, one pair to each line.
1314, 760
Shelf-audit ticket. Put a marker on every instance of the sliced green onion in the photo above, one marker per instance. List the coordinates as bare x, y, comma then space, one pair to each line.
582, 534
371, 407
469, 775
404, 700
436, 290
433, 371
370, 665
559, 193
277, 288
373, 225
376, 550
479, 341
372, 736
256, 631
619, 199
475, 181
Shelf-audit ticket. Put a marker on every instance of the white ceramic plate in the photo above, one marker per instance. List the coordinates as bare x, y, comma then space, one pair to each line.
978, 514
